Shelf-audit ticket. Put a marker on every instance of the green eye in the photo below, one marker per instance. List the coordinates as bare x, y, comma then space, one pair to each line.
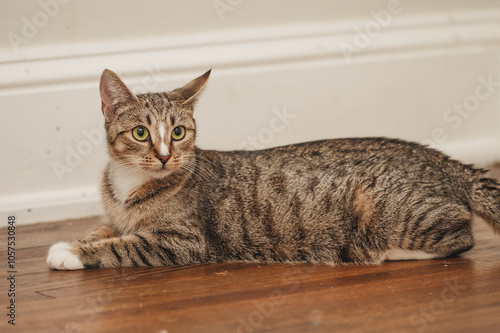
178, 133
140, 133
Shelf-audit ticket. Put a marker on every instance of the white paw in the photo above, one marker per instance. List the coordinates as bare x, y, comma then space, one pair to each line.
60, 257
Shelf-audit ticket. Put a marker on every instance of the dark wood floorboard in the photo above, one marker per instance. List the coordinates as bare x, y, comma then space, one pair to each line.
453, 295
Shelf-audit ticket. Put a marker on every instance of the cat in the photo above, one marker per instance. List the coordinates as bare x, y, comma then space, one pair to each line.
343, 201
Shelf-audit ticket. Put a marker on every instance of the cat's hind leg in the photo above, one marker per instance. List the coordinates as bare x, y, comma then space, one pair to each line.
399, 254
439, 231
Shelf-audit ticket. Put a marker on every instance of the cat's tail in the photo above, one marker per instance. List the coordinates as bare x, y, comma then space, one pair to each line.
485, 201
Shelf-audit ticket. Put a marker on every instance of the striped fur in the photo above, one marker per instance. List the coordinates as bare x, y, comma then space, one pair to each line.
358, 200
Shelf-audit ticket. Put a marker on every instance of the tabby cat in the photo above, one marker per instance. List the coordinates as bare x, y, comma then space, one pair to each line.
358, 200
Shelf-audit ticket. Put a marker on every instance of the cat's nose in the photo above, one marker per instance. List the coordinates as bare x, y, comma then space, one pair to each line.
163, 159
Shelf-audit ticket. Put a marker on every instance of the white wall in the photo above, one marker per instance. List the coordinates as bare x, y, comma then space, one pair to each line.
268, 57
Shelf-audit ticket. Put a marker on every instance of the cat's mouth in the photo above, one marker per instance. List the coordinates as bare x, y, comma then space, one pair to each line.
162, 168
156, 169
161, 171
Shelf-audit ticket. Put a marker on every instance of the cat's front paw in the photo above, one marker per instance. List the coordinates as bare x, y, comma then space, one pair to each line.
61, 257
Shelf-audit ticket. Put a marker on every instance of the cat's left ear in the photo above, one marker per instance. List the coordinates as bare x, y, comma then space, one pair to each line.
188, 94
113, 94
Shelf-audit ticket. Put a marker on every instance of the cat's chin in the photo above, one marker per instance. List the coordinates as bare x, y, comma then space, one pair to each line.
160, 173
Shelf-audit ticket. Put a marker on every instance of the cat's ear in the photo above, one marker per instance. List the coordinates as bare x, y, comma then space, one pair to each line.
188, 94
113, 93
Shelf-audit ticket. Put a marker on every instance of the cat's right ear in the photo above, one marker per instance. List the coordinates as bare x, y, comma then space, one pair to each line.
113, 93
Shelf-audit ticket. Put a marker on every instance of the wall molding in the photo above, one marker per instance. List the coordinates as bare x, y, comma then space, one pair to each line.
433, 35
50, 206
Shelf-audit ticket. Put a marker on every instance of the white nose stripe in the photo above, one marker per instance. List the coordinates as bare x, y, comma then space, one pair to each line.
163, 146
164, 150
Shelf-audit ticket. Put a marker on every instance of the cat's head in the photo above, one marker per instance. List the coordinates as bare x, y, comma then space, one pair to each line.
152, 134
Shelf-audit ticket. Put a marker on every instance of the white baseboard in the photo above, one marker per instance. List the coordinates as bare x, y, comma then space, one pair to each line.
52, 206
481, 153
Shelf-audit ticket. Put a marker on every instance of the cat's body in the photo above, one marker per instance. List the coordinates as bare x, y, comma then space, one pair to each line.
360, 200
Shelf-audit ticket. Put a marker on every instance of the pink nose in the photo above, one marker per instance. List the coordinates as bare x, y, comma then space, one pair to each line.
163, 159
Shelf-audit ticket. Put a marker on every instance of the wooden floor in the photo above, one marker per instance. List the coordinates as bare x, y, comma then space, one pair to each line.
453, 295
